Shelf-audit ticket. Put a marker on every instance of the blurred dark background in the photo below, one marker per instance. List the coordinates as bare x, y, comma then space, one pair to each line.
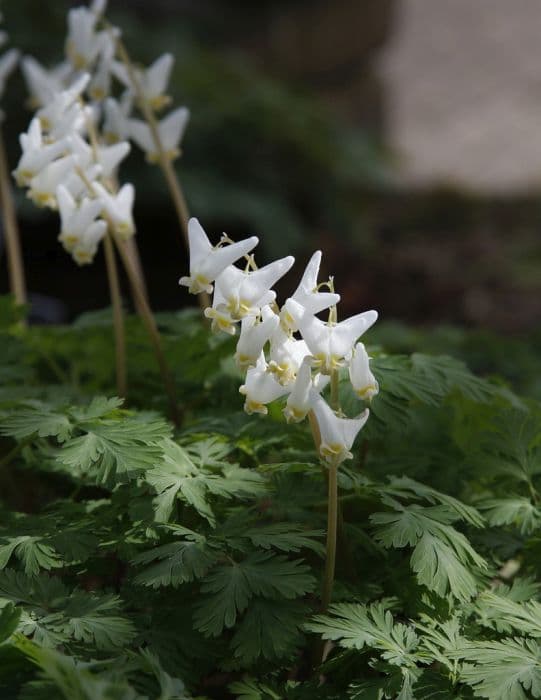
399, 136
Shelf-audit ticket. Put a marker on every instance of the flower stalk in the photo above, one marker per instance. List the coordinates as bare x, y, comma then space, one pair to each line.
152, 329
332, 528
173, 183
11, 231
118, 315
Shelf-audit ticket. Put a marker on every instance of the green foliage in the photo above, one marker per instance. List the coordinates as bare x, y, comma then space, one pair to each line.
143, 562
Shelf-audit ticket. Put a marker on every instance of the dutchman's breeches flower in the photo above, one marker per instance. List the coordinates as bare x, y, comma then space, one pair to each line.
305, 389
246, 292
254, 334
278, 363
329, 343
207, 262
337, 434
362, 380
260, 388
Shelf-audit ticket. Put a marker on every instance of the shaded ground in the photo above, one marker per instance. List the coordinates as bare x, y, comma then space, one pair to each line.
463, 90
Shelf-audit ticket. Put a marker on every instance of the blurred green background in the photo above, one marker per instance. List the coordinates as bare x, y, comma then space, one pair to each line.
288, 139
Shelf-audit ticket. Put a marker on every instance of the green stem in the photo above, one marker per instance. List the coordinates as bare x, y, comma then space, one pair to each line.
118, 316
152, 329
332, 524
11, 231
173, 183
335, 390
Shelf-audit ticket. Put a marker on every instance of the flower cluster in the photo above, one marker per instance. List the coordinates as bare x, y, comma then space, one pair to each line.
80, 132
288, 351
94, 51
63, 171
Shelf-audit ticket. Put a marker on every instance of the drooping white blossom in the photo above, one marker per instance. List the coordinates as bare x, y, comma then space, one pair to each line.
43, 186
83, 42
286, 355
330, 343
303, 393
43, 84
115, 125
170, 131
246, 291
337, 434
207, 262
260, 388
80, 232
362, 380
119, 208
254, 334
152, 81
36, 154
307, 293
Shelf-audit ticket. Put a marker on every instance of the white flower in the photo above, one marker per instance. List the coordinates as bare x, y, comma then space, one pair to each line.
76, 181
86, 248
100, 84
363, 381
83, 43
115, 124
254, 333
77, 218
260, 388
286, 356
218, 314
303, 393
152, 81
329, 343
43, 185
246, 292
206, 261
110, 157
119, 208
42, 84
170, 131
35, 155
63, 114
337, 434
307, 293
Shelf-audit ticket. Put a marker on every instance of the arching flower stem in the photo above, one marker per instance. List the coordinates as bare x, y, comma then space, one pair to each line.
118, 315
173, 183
11, 231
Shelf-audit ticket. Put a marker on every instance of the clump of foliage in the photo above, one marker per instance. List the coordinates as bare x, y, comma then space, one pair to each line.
142, 561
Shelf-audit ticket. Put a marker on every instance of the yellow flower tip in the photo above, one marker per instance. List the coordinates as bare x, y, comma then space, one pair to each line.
97, 93
255, 407
244, 362
334, 453
294, 415
367, 393
159, 102
23, 177
75, 58
69, 241
82, 257
43, 199
44, 123
124, 229
110, 138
